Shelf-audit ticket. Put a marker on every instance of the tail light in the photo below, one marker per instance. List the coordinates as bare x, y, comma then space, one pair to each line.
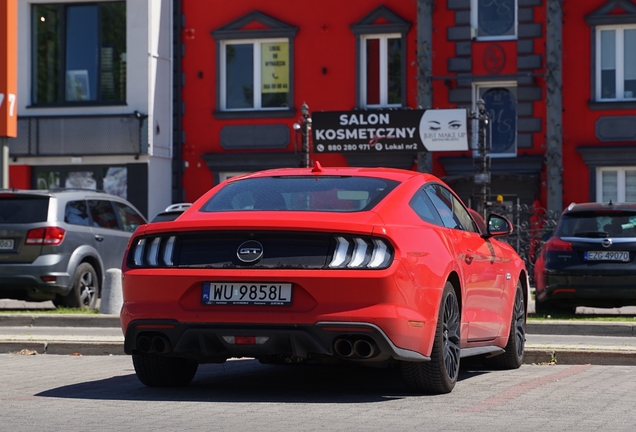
50, 236
361, 253
555, 244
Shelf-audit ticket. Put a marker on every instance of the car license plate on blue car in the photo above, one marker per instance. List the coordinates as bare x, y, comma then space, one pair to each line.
246, 293
607, 256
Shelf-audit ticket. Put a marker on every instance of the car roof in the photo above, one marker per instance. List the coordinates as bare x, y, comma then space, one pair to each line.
396, 174
590, 206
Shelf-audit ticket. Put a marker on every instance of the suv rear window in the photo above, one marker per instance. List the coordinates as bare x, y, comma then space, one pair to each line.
597, 224
301, 193
23, 210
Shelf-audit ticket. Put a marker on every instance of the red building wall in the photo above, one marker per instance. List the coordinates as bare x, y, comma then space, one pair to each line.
324, 60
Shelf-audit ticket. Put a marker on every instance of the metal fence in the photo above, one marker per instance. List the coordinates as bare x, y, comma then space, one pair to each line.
532, 224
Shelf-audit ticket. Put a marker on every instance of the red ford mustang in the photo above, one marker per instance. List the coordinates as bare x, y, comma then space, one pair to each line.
368, 265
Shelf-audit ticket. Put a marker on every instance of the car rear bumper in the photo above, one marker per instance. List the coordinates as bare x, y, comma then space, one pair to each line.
603, 290
210, 343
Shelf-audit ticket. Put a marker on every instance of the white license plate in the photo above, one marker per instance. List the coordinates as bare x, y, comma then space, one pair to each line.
607, 256
246, 293
6, 244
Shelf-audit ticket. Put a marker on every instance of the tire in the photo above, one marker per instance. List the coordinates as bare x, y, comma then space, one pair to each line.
159, 371
439, 375
512, 358
85, 288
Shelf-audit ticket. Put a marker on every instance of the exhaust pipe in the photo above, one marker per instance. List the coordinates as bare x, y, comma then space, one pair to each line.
343, 347
144, 344
161, 344
364, 349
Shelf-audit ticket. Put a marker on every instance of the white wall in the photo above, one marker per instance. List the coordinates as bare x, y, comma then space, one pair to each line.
148, 90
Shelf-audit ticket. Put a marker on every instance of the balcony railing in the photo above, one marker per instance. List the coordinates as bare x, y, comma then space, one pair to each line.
80, 135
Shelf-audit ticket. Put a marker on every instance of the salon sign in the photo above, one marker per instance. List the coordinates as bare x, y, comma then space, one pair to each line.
389, 130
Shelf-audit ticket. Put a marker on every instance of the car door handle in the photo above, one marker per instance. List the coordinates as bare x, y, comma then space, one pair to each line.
99, 238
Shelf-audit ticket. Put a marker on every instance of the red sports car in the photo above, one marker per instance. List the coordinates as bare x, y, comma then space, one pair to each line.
366, 265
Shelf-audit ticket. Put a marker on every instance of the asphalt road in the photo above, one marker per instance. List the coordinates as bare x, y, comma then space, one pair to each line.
79, 393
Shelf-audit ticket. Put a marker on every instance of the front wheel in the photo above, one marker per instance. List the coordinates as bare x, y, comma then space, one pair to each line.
512, 358
439, 375
85, 288
159, 371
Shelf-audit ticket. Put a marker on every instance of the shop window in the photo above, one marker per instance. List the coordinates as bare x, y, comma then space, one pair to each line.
616, 63
381, 42
501, 107
79, 53
110, 179
616, 184
494, 19
255, 67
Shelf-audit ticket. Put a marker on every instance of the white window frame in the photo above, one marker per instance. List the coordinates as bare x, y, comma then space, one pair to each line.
476, 95
620, 62
258, 96
620, 186
474, 23
384, 69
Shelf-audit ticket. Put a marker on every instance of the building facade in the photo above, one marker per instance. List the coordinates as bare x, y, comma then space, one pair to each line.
95, 98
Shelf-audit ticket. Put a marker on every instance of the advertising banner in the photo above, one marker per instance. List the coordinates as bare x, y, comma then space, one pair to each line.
275, 67
389, 130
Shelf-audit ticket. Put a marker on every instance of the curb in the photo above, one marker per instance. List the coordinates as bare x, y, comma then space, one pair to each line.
44, 320
531, 356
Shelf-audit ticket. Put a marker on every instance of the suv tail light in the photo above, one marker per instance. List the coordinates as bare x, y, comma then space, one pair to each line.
45, 236
555, 244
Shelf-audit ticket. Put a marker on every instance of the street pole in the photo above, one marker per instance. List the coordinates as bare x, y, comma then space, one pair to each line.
303, 125
482, 176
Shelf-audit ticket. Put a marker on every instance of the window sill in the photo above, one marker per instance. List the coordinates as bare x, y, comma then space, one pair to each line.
254, 114
595, 105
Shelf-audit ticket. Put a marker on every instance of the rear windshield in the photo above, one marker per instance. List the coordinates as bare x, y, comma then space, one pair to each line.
301, 193
23, 210
596, 224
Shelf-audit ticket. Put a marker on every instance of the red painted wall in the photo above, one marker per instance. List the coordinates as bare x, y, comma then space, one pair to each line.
324, 41
578, 119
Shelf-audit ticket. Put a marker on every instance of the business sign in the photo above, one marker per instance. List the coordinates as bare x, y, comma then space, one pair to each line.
389, 130
8, 68
275, 67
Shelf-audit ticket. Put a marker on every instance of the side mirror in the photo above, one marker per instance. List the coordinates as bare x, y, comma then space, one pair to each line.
498, 226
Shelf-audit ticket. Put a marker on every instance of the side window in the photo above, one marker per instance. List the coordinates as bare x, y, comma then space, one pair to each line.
451, 210
443, 202
462, 214
130, 219
422, 205
76, 213
103, 214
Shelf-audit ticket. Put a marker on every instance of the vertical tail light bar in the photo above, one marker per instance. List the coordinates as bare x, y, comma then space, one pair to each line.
138, 257
361, 253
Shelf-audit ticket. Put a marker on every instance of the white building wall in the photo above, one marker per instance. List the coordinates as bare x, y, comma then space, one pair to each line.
148, 91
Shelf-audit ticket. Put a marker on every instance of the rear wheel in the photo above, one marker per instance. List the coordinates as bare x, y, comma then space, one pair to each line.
438, 375
512, 358
85, 288
158, 371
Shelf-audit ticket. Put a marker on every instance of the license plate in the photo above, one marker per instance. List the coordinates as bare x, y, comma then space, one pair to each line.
607, 256
6, 244
246, 293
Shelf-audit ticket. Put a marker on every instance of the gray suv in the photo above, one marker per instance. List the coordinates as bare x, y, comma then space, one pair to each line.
57, 244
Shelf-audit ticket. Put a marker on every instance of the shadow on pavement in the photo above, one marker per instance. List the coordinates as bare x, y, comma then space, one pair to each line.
250, 381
